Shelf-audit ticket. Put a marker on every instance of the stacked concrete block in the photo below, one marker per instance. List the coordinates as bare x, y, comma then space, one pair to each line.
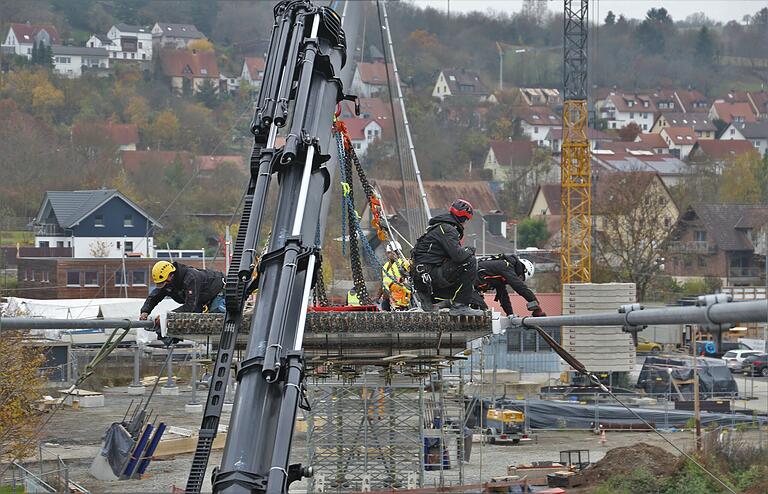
605, 348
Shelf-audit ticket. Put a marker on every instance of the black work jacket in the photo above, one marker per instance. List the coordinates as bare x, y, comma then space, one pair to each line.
496, 274
441, 242
191, 287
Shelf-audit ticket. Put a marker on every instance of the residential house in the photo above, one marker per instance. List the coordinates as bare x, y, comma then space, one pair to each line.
129, 43
461, 82
369, 79
57, 278
721, 241
554, 139
719, 150
756, 133
539, 96
547, 205
665, 100
253, 71
166, 35
700, 123
140, 161
372, 109
362, 132
102, 41
125, 136
759, 101
732, 112
537, 121
228, 84
504, 156
650, 142
619, 110
680, 140
692, 101
73, 61
94, 223
206, 166
22, 37
189, 70
616, 158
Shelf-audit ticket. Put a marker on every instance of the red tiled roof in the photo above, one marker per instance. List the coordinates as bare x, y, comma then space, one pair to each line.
255, 65
760, 99
538, 115
720, 149
188, 63
727, 111
734, 96
25, 33
440, 194
681, 136
133, 160
123, 134
356, 127
372, 109
206, 163
622, 103
652, 140
592, 134
690, 96
513, 152
551, 193
373, 73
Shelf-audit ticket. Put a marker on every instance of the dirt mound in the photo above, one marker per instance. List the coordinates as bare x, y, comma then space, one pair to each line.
625, 460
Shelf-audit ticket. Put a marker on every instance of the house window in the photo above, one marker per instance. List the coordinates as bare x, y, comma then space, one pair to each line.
143, 56
44, 243
59, 243
733, 131
98, 220
129, 246
46, 277
119, 280
702, 262
133, 55
139, 278
140, 45
700, 236
631, 114
687, 262
128, 220
73, 278
535, 130
91, 278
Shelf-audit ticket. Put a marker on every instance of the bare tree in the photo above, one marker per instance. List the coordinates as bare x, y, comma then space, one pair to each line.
634, 216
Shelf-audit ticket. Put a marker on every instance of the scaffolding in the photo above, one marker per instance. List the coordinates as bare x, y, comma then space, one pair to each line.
382, 432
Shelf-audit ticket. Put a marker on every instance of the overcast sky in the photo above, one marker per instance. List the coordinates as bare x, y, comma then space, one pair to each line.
721, 10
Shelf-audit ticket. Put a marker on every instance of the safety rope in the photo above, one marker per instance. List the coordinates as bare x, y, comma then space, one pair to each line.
580, 368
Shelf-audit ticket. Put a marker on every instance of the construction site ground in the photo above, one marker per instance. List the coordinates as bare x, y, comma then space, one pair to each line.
76, 435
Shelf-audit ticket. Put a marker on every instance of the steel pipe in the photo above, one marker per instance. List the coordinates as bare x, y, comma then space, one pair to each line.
42, 323
719, 313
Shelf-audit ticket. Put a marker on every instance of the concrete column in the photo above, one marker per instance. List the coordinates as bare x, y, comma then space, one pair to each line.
194, 406
170, 388
136, 388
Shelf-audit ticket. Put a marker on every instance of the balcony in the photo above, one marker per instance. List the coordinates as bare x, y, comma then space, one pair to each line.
692, 247
48, 230
745, 275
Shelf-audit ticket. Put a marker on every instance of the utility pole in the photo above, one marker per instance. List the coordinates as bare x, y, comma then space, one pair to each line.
696, 404
501, 66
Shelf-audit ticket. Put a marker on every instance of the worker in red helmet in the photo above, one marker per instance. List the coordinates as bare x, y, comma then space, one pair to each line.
443, 269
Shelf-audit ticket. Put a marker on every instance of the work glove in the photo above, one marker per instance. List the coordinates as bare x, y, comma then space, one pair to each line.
537, 312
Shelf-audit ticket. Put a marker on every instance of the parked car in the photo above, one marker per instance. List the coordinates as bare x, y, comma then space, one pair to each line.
734, 358
757, 365
647, 346
708, 349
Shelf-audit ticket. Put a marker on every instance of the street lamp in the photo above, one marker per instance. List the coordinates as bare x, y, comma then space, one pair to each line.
501, 63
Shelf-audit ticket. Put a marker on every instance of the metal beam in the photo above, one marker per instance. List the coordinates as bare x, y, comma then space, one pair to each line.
41, 323
715, 314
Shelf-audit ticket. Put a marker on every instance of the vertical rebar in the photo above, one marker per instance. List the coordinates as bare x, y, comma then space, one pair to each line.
169, 367
137, 366
194, 383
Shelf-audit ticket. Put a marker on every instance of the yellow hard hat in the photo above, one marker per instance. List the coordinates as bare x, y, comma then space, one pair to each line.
161, 270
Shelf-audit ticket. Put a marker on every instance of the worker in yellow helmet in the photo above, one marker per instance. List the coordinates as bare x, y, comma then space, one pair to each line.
352, 298
397, 295
198, 290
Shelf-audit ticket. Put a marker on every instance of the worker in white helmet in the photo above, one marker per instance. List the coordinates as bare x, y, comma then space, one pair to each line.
496, 272
396, 293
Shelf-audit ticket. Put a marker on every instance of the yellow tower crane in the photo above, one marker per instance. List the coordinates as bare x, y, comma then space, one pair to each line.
576, 182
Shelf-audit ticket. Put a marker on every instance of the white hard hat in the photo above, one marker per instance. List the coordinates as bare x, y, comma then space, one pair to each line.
393, 246
529, 268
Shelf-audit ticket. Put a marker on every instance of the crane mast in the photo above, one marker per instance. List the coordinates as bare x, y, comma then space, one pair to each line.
300, 90
575, 172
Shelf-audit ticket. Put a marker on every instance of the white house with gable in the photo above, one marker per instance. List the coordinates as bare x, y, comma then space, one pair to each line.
22, 37
133, 43
72, 61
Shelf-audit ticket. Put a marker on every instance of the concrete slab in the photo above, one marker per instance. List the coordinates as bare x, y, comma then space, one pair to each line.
136, 390
169, 390
193, 408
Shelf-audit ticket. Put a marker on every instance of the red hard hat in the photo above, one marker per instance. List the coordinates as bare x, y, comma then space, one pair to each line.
461, 208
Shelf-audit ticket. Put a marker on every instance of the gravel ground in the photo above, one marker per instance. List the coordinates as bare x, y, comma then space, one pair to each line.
76, 435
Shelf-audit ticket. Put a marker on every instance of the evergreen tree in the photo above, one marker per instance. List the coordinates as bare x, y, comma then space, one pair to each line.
610, 19
35, 56
47, 59
705, 46
207, 94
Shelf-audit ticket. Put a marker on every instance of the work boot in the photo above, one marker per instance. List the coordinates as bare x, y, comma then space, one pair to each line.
464, 310
424, 301
443, 304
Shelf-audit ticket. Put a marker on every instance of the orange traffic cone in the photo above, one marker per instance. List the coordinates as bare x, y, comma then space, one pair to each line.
603, 440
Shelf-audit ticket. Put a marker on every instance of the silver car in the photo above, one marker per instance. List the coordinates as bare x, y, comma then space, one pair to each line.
734, 359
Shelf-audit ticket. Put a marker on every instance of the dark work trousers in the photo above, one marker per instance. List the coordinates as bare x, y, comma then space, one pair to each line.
450, 281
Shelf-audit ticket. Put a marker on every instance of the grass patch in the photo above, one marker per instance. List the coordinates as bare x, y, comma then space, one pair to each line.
13, 237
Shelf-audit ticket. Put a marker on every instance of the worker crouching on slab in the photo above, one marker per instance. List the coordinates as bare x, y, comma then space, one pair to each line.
396, 292
443, 269
496, 272
198, 290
